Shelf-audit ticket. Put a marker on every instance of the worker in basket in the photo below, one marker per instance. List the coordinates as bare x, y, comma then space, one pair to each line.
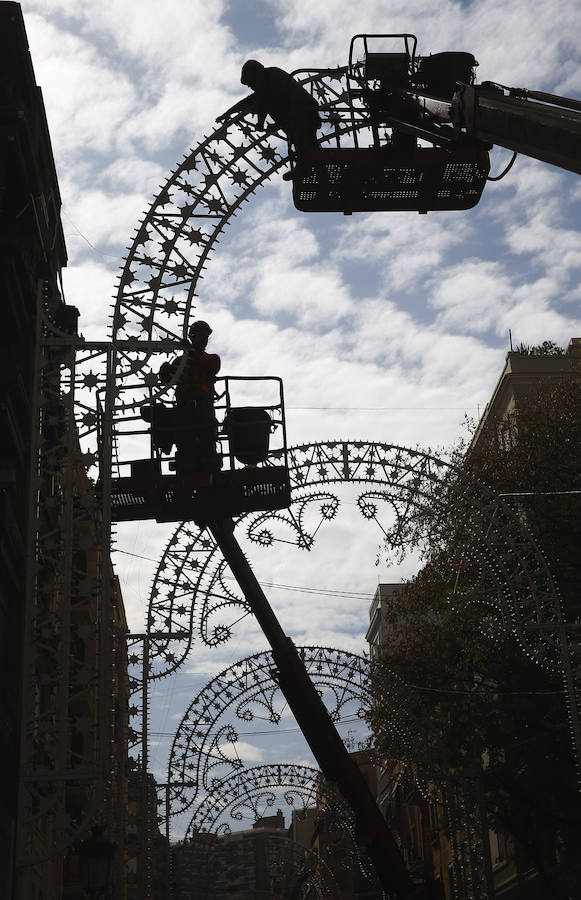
290, 106
195, 429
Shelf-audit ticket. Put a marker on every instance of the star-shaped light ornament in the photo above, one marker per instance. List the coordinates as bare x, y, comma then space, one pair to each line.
214, 205
150, 379
90, 380
119, 321
268, 153
154, 283
239, 177
163, 197
195, 236
180, 270
142, 236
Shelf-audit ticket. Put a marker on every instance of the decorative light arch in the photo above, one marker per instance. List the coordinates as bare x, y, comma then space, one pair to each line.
192, 587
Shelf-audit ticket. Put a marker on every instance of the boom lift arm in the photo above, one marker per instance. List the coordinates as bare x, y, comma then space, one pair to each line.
544, 126
319, 731
431, 128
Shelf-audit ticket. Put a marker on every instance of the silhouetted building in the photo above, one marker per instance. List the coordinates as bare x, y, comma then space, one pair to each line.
260, 863
49, 692
32, 252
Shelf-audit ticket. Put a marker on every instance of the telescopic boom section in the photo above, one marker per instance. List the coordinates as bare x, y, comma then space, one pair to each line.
318, 728
544, 126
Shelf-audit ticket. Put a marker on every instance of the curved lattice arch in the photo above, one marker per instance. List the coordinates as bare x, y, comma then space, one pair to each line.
173, 243
192, 584
250, 795
204, 752
255, 794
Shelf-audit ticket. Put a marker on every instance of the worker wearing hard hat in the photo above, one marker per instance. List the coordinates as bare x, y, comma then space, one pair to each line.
194, 372
277, 94
194, 375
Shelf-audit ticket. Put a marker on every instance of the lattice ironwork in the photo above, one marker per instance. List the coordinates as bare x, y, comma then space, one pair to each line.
253, 793
173, 243
252, 796
67, 765
204, 751
192, 588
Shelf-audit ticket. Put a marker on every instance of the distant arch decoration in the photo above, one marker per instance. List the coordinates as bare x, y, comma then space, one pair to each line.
204, 751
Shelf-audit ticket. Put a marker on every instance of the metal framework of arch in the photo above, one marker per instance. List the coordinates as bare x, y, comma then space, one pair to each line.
192, 589
203, 754
254, 794
250, 794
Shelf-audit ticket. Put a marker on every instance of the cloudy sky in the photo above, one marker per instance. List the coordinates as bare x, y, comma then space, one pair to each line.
388, 326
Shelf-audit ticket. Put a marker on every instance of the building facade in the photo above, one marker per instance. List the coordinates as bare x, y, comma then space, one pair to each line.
63, 690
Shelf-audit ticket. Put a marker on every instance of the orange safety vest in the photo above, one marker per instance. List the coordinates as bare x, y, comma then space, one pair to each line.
198, 375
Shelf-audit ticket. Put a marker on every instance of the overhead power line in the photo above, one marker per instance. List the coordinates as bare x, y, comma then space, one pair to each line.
326, 592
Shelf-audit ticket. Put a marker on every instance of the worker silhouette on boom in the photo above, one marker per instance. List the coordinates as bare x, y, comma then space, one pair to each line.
195, 429
290, 106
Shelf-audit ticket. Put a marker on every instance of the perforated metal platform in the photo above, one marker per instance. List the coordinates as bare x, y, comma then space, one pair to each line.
200, 496
365, 180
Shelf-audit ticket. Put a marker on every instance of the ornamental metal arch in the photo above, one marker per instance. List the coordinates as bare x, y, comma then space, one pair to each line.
172, 244
252, 795
192, 585
204, 752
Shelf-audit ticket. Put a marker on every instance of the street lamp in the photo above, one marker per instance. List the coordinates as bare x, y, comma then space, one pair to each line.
96, 855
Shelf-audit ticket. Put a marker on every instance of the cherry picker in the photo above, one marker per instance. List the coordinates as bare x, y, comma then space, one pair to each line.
252, 474
431, 128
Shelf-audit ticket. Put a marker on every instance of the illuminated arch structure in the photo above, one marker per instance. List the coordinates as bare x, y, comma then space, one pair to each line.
100, 387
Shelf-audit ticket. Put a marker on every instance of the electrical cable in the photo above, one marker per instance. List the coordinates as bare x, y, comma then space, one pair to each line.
380, 408
505, 172
422, 687
86, 239
325, 592
348, 720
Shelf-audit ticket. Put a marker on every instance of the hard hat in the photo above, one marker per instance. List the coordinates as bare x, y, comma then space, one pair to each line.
251, 67
200, 325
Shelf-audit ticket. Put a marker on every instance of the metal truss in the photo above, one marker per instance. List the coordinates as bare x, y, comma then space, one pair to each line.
67, 764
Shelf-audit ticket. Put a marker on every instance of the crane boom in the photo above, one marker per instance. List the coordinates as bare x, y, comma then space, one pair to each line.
544, 126
319, 731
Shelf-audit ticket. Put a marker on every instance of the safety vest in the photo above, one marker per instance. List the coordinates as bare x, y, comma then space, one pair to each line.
197, 377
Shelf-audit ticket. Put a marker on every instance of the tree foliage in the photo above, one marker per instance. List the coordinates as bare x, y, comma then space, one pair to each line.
461, 684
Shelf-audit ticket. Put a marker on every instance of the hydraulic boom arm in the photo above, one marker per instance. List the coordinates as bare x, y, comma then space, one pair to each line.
544, 126
318, 728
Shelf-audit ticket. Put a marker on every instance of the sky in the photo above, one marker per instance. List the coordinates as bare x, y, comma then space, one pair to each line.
390, 327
